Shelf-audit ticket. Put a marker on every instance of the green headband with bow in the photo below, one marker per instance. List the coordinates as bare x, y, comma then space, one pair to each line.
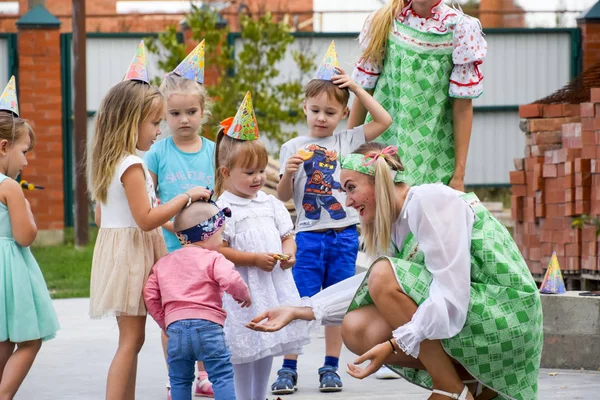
365, 164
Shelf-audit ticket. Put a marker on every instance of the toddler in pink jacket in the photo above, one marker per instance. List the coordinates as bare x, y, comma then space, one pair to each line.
183, 294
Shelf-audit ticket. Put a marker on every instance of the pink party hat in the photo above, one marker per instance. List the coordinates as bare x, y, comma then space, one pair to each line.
138, 69
329, 64
243, 126
192, 67
8, 100
553, 281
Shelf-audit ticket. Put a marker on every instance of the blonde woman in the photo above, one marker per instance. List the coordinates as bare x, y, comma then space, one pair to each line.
421, 58
453, 304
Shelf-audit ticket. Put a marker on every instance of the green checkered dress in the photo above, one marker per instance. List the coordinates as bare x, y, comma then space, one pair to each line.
501, 341
413, 88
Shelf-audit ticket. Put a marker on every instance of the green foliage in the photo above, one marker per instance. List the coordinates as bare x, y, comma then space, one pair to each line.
66, 268
586, 220
277, 98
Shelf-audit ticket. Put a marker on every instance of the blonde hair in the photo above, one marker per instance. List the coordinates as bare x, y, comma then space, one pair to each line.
379, 30
175, 84
12, 128
123, 109
377, 234
230, 152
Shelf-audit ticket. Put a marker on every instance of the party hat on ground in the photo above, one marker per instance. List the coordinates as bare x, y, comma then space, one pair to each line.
553, 281
243, 126
329, 64
192, 67
8, 100
138, 69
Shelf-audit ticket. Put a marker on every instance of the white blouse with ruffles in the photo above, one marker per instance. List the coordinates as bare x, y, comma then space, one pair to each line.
442, 224
470, 48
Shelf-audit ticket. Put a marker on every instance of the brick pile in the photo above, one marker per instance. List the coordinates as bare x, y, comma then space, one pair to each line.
557, 180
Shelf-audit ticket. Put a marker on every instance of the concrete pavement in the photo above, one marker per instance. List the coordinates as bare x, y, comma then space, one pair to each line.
74, 366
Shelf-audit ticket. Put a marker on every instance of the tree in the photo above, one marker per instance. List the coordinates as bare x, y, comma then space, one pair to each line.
264, 43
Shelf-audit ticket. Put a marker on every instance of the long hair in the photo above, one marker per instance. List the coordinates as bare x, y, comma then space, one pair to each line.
123, 109
377, 234
230, 152
379, 30
175, 84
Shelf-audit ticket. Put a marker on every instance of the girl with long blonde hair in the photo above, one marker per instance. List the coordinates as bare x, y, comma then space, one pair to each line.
420, 59
129, 241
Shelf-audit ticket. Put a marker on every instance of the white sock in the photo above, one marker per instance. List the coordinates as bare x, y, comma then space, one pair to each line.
260, 383
252, 379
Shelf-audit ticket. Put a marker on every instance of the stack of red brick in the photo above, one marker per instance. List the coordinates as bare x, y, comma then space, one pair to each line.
558, 179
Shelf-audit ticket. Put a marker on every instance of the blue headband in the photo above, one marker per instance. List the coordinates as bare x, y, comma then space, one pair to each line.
205, 229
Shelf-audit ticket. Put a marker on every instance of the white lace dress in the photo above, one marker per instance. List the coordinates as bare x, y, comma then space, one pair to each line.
258, 225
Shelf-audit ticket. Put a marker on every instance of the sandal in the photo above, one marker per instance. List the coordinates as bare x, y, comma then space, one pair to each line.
461, 396
481, 392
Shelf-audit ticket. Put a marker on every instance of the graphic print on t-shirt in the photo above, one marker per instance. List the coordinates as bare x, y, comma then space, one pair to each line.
320, 165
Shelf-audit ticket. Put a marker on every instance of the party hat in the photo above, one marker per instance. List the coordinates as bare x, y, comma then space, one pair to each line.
243, 126
192, 67
329, 64
8, 100
138, 69
553, 281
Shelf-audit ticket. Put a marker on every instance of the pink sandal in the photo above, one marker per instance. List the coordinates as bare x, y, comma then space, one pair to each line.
204, 388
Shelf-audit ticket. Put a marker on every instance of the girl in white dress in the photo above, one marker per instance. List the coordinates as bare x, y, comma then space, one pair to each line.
259, 240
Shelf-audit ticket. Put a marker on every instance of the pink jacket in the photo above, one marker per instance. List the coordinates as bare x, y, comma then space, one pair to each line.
189, 283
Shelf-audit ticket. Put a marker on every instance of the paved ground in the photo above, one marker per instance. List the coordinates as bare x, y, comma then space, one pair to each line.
74, 366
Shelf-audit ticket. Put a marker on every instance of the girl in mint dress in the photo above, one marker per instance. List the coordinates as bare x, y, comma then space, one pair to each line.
423, 68
27, 315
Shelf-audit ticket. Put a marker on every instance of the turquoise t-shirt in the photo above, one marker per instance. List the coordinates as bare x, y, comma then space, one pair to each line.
178, 172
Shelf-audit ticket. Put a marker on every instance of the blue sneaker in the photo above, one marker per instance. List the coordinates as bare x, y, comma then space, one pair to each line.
330, 380
286, 382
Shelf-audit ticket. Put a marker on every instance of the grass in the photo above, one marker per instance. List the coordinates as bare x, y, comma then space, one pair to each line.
67, 269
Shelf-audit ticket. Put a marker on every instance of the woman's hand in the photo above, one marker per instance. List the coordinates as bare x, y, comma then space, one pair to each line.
376, 356
457, 183
276, 319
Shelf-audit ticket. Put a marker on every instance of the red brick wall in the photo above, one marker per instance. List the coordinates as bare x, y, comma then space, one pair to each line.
590, 39
558, 179
41, 104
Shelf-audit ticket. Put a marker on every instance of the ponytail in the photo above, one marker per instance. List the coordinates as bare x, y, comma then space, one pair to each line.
378, 234
379, 30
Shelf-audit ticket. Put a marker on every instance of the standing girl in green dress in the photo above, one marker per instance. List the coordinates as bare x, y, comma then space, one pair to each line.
421, 60
27, 316
452, 303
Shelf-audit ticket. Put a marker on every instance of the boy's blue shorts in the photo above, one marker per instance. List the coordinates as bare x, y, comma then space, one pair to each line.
324, 259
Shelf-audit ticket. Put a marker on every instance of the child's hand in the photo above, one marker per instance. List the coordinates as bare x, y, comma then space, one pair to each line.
344, 81
244, 303
289, 263
293, 164
199, 193
265, 261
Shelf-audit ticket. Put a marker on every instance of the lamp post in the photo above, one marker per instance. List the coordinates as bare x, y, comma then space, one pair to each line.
80, 124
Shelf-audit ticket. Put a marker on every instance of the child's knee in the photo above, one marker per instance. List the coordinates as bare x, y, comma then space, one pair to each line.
133, 342
31, 345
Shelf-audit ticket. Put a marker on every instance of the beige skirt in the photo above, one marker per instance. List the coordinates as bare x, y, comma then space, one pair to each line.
123, 258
